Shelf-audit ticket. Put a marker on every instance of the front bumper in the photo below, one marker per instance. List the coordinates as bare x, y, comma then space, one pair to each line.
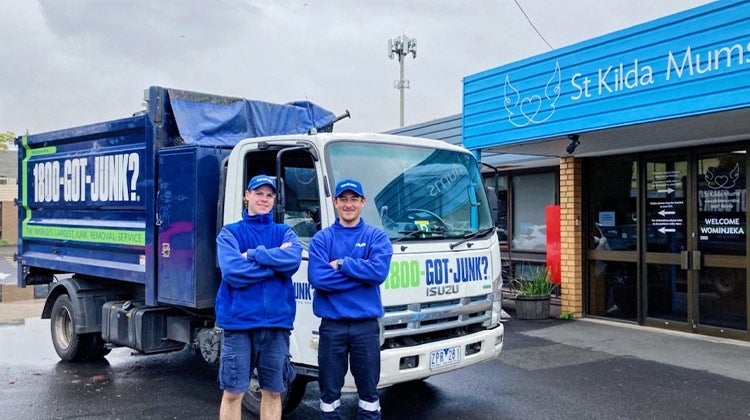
476, 348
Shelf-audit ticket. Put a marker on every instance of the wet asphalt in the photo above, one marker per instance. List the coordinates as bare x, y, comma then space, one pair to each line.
8, 270
584, 369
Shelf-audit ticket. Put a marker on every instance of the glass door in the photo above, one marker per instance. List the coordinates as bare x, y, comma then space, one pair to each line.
695, 271
721, 251
666, 276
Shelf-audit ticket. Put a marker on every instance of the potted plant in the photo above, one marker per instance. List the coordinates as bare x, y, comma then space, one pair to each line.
533, 295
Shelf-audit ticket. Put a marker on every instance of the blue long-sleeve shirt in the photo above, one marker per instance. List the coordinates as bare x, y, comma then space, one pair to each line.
256, 290
353, 291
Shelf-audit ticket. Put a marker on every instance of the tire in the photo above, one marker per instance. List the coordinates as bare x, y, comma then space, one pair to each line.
71, 347
293, 396
290, 398
98, 347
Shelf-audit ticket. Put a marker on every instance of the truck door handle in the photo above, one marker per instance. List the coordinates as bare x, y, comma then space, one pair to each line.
695, 263
684, 260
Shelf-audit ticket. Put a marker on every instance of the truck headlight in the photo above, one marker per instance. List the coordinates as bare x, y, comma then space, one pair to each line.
497, 297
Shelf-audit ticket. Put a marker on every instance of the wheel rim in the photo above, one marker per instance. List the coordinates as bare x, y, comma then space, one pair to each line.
253, 389
251, 399
63, 328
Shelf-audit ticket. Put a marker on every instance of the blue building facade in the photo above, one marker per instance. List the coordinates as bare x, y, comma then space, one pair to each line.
692, 63
642, 137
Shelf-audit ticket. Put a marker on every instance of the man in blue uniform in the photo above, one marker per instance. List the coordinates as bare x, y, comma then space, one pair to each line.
255, 304
348, 262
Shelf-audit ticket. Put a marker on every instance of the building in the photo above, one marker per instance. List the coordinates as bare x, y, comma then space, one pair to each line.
8, 194
650, 130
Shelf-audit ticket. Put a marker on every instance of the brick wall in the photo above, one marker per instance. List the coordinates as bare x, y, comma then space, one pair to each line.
8, 211
9, 218
571, 243
12, 293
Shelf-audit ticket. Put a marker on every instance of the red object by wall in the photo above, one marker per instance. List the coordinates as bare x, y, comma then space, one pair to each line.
553, 242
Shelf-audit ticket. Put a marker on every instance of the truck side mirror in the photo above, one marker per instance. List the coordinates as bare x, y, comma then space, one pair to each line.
278, 211
492, 197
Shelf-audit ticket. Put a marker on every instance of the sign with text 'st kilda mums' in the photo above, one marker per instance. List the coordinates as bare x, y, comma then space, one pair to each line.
690, 63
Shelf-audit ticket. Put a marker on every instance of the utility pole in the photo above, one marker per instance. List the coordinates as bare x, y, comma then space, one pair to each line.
401, 47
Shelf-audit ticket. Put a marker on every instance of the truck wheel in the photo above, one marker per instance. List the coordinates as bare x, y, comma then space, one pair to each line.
290, 398
293, 396
98, 347
71, 347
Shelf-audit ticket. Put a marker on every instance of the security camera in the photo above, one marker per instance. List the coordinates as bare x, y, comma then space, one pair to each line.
574, 142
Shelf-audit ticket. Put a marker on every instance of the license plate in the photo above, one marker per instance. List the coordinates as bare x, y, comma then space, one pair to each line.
445, 357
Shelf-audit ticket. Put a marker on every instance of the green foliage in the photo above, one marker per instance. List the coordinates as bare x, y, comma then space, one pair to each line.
6, 139
537, 285
567, 315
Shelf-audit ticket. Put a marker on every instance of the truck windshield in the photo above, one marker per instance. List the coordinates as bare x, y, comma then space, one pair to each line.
414, 192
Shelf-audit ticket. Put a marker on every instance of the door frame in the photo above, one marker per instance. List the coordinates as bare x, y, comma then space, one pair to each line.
691, 256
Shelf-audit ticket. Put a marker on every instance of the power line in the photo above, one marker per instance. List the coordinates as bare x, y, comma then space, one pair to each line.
532, 25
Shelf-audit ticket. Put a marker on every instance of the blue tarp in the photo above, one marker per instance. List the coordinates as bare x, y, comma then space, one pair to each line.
210, 120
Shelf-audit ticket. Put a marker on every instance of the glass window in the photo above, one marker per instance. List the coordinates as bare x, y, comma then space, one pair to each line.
611, 187
526, 270
301, 202
531, 195
721, 203
502, 206
666, 292
665, 202
415, 192
612, 290
721, 297
301, 193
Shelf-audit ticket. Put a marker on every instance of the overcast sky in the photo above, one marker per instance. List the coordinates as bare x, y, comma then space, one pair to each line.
73, 62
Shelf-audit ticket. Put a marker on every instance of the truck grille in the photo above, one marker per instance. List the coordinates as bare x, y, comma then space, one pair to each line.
420, 323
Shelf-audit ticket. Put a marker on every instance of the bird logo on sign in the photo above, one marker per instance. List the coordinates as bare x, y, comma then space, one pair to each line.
532, 107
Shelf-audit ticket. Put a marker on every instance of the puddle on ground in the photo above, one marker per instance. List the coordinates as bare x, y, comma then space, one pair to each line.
28, 342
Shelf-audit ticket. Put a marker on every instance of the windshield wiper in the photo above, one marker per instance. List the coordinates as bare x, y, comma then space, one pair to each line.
470, 236
433, 234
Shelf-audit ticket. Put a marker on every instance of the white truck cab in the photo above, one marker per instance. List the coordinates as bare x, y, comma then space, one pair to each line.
442, 296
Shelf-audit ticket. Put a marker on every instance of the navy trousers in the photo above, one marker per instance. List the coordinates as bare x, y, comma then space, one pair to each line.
348, 344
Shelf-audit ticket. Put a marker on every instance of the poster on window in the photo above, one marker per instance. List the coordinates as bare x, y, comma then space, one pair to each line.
721, 207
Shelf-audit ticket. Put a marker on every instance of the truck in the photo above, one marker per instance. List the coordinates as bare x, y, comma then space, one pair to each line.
119, 219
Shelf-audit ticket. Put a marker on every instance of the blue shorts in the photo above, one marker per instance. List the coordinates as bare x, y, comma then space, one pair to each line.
264, 349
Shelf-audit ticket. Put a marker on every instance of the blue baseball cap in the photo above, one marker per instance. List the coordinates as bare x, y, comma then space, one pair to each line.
349, 185
260, 180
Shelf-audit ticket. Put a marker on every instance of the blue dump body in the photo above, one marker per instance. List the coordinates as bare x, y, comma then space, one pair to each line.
135, 199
